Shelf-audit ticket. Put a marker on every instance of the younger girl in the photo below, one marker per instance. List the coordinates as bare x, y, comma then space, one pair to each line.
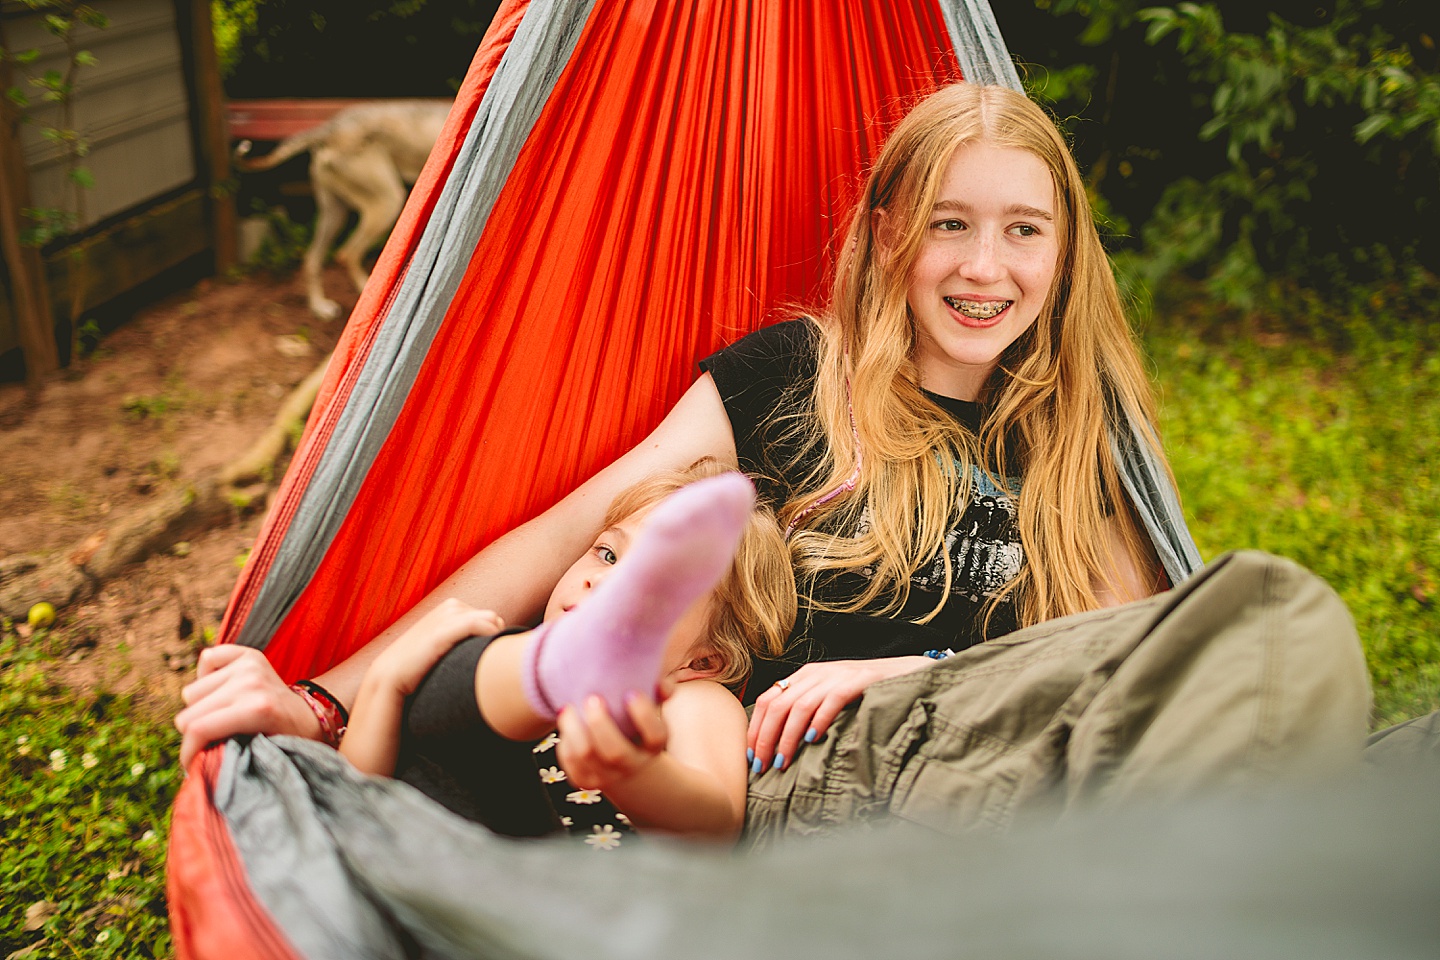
671, 597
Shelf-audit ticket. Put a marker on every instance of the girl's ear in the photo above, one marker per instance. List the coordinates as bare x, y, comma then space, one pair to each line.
704, 663
883, 227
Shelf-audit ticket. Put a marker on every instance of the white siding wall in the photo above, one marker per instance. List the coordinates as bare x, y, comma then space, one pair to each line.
132, 106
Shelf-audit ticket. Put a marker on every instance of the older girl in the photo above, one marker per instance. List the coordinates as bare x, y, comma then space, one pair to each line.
939, 438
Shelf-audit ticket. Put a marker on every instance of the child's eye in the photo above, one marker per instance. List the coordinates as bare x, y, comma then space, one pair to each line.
1026, 229
948, 225
605, 554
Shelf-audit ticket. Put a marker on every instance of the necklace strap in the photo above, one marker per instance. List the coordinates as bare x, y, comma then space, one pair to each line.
848, 484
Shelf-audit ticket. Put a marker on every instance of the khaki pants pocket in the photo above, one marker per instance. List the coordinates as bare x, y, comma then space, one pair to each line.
955, 779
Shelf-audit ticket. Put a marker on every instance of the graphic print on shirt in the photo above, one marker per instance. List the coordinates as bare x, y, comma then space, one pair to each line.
984, 547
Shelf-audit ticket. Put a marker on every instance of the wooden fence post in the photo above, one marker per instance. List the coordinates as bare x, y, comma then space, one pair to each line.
34, 317
214, 143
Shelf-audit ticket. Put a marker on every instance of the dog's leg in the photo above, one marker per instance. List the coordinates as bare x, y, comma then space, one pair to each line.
371, 184
329, 221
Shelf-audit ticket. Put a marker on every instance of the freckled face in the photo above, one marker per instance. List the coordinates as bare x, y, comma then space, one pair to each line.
985, 265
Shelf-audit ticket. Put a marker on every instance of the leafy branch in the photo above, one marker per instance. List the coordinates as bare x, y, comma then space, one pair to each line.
1255, 76
1276, 100
61, 18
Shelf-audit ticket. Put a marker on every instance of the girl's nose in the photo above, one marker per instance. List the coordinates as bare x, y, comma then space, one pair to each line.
595, 579
981, 262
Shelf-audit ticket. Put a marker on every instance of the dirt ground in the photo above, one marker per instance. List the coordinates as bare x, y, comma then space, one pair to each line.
182, 388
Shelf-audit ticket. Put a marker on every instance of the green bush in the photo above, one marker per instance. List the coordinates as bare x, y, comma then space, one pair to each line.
1251, 146
330, 48
1332, 137
1321, 449
285, 243
232, 21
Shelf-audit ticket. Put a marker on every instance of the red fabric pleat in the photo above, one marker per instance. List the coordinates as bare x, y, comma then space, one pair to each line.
213, 913
680, 189
365, 320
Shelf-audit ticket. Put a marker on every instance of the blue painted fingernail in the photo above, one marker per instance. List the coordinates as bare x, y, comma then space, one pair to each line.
756, 766
811, 734
779, 763
749, 755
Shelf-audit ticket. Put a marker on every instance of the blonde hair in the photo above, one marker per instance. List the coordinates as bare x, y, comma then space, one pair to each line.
1052, 396
753, 606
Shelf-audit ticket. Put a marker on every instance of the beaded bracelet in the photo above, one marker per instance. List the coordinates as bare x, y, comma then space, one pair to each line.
939, 654
331, 713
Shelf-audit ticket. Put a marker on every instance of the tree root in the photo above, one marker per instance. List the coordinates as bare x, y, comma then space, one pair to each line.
78, 573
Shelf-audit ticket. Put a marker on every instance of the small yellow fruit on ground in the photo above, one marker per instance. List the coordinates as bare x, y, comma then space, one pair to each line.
41, 615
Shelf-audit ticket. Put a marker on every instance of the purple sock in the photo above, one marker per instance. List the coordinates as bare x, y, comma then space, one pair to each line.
613, 643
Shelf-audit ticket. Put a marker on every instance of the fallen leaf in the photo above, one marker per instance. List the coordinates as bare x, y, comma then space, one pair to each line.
37, 913
81, 555
29, 951
292, 346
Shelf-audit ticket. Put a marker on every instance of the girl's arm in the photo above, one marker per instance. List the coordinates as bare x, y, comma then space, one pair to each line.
236, 690
1130, 581
686, 777
372, 741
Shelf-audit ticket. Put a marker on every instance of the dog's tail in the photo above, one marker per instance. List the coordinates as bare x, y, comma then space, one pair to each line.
291, 146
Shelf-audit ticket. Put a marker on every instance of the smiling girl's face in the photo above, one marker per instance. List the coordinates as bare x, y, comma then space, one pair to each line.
985, 265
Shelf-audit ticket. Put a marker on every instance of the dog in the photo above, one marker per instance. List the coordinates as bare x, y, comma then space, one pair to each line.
364, 158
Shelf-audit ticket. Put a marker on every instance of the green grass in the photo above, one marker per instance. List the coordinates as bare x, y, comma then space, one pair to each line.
85, 791
1325, 448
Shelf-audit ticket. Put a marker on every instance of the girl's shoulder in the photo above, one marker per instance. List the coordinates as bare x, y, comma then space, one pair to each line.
756, 373
780, 352
764, 381
700, 700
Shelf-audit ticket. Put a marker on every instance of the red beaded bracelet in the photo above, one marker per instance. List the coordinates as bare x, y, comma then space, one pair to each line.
331, 713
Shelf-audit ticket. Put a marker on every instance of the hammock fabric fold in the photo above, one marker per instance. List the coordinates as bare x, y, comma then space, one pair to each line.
1286, 874
623, 186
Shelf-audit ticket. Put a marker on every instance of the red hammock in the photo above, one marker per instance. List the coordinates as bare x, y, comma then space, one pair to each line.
679, 185
679, 188
623, 187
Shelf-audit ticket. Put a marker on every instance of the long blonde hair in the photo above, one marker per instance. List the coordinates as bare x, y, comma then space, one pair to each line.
1051, 397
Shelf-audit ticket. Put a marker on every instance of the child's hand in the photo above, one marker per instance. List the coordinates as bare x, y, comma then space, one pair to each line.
416, 651
594, 753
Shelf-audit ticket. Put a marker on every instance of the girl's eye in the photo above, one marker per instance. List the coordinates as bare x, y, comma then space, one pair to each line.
605, 554
948, 225
1026, 230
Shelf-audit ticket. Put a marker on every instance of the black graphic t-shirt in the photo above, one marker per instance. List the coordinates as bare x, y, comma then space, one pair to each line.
768, 376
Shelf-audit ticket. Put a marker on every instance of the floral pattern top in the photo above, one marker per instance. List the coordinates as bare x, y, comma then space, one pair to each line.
585, 814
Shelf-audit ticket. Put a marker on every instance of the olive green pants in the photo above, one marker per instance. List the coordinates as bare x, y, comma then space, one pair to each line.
1249, 672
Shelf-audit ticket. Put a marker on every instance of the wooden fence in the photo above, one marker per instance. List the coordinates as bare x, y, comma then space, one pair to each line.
152, 111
